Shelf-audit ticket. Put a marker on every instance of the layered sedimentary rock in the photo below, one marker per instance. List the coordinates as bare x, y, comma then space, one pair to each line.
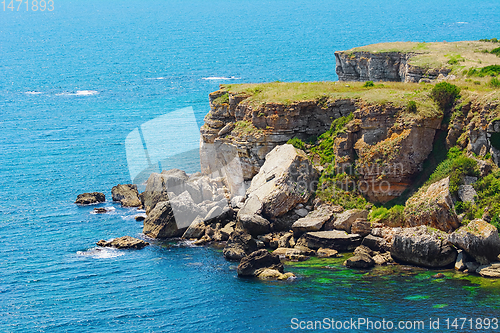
386, 149
383, 66
238, 128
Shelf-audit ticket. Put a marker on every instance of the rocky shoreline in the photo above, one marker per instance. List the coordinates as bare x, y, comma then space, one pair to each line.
395, 182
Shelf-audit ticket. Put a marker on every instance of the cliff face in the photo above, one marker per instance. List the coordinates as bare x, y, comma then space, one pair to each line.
236, 127
384, 66
386, 148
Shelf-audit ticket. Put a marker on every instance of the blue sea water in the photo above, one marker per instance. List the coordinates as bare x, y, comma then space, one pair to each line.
74, 82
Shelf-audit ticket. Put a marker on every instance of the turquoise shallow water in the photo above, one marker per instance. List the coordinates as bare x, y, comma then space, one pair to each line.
76, 81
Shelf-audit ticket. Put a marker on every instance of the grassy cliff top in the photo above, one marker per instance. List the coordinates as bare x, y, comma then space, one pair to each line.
456, 55
397, 93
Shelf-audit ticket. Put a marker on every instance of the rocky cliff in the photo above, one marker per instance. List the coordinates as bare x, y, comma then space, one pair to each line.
237, 126
410, 61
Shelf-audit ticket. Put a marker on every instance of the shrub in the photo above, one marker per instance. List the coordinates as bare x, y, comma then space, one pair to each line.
496, 51
297, 143
492, 70
456, 166
495, 221
368, 84
412, 106
493, 40
494, 82
477, 83
445, 94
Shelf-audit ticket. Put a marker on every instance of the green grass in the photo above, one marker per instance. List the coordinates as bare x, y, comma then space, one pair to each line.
224, 99
297, 143
456, 166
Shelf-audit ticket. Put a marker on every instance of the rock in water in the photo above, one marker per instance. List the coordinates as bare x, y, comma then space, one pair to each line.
286, 179
433, 208
256, 262
239, 245
90, 198
479, 239
127, 195
125, 242
338, 240
490, 271
422, 246
361, 260
196, 229
160, 222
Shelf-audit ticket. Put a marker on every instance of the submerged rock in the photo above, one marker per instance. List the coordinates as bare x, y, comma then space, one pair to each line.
479, 239
90, 198
256, 262
422, 246
127, 195
125, 242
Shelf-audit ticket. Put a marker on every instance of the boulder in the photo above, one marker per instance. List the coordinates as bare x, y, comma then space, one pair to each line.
196, 229
160, 222
158, 185
293, 254
362, 227
433, 207
335, 239
382, 258
327, 253
254, 224
461, 261
490, 271
185, 209
256, 262
361, 260
90, 198
125, 242
466, 193
237, 201
274, 274
239, 245
313, 221
375, 243
286, 240
286, 179
364, 250
479, 239
423, 246
345, 220
126, 194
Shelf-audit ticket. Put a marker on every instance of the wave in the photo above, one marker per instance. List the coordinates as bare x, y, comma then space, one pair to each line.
79, 93
33, 92
109, 210
221, 78
101, 253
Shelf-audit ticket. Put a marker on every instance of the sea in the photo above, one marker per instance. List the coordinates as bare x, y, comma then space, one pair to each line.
77, 79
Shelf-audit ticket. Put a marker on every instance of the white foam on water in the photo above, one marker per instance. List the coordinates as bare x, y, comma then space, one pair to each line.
221, 78
79, 93
86, 92
33, 92
101, 253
